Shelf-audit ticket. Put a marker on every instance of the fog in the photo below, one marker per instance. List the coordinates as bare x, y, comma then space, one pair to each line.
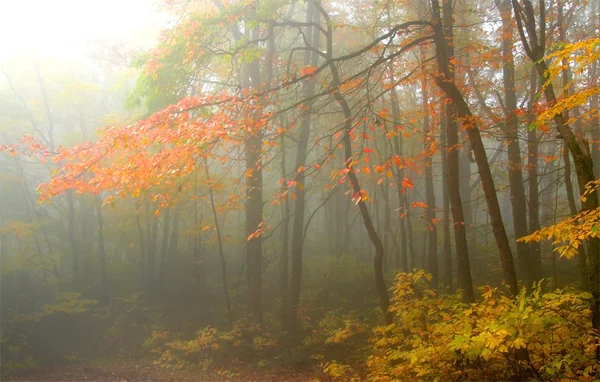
281, 190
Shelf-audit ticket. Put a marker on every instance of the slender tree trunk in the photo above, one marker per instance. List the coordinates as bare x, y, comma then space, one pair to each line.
220, 242
164, 248
354, 183
284, 259
531, 268
105, 291
308, 91
462, 254
143, 253
534, 43
532, 172
463, 111
446, 204
402, 257
431, 229
77, 282
568, 87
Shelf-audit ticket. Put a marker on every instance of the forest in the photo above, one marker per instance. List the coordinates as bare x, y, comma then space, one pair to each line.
302, 190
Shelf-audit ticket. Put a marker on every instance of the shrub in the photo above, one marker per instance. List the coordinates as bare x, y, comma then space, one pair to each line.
537, 335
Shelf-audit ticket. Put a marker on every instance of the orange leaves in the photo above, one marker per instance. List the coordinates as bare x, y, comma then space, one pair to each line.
256, 234
379, 168
357, 197
384, 113
407, 183
418, 204
157, 151
308, 71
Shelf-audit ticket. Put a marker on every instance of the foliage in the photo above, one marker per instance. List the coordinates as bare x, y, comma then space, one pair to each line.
571, 233
210, 346
537, 335
582, 54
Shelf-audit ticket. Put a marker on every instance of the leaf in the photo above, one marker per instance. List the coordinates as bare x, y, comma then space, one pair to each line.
308, 71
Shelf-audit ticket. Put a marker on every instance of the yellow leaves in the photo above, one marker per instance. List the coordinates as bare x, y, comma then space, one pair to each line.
581, 55
519, 343
568, 235
434, 338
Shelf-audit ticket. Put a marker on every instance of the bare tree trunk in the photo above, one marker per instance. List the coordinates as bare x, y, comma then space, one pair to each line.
77, 282
284, 258
431, 229
164, 248
354, 183
446, 205
220, 242
534, 43
568, 87
310, 58
462, 254
402, 258
105, 291
463, 111
532, 172
531, 268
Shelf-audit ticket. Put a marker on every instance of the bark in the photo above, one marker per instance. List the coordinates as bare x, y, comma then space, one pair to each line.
446, 83
254, 198
402, 257
568, 87
462, 253
284, 259
534, 43
531, 268
432, 263
532, 172
353, 179
446, 205
77, 281
220, 243
105, 292
164, 248
143, 255
310, 58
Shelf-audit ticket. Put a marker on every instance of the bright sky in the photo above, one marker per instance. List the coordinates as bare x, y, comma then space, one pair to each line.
62, 28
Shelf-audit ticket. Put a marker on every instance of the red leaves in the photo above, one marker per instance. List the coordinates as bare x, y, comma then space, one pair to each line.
407, 183
308, 71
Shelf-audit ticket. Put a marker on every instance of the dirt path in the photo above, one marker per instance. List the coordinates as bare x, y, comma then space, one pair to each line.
131, 372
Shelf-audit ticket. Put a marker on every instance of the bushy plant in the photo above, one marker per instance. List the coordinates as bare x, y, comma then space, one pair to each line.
210, 346
536, 335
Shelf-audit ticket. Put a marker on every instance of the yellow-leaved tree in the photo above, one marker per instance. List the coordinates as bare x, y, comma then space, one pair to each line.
574, 231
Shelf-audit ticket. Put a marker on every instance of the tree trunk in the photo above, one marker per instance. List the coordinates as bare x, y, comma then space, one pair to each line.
220, 243
463, 111
532, 172
402, 258
310, 58
531, 268
431, 229
534, 44
105, 292
354, 183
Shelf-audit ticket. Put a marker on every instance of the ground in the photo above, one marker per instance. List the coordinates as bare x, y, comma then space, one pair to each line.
143, 372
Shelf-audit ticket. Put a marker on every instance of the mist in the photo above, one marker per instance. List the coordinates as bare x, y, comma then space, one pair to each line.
282, 190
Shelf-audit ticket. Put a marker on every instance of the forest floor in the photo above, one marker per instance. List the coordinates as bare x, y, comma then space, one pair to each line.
143, 372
